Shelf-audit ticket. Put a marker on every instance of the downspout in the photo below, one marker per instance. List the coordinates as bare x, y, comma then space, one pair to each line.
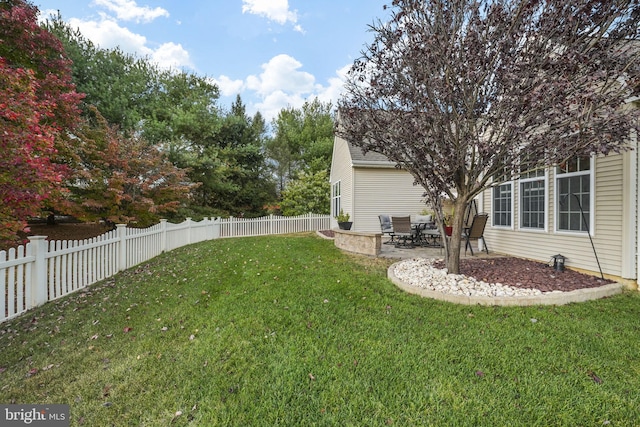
631, 212
629, 255
636, 171
352, 196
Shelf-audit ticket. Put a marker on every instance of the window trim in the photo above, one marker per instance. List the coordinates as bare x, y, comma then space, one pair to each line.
545, 182
592, 198
511, 208
336, 198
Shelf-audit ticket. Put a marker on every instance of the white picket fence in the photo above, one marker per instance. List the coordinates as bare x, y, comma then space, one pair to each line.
238, 227
42, 271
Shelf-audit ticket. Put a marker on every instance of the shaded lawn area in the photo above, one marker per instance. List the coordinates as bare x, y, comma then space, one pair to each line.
288, 330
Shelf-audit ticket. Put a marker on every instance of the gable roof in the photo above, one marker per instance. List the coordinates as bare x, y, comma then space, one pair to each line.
371, 158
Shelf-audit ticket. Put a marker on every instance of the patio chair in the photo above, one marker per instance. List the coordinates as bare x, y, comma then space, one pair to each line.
418, 237
403, 231
387, 228
427, 220
476, 232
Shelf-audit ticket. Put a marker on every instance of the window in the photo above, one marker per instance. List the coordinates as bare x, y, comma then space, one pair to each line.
573, 202
502, 206
532, 199
335, 199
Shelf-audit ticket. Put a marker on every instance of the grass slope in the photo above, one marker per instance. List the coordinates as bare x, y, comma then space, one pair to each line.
290, 331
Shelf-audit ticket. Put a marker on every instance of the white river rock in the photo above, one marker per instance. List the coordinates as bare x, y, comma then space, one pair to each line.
420, 272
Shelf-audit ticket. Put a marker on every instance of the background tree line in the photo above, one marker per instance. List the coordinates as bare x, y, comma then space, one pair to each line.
102, 134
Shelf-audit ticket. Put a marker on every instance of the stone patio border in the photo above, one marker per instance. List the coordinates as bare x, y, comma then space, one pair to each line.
553, 298
358, 242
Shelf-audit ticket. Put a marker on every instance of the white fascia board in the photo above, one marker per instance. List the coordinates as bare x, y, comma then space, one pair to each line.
379, 165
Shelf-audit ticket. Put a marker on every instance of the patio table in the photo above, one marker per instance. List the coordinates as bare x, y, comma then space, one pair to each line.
424, 235
432, 238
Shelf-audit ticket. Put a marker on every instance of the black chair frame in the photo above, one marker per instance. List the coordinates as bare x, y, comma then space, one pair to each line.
476, 232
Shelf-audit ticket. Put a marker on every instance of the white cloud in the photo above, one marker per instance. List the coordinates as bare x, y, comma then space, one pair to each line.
281, 73
47, 14
271, 104
332, 92
171, 55
128, 10
274, 10
227, 86
107, 34
282, 84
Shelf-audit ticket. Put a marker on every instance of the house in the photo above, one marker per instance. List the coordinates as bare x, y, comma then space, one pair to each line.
536, 216
367, 185
585, 209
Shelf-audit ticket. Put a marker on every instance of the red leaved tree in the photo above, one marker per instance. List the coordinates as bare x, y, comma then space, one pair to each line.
123, 179
38, 104
26, 171
464, 93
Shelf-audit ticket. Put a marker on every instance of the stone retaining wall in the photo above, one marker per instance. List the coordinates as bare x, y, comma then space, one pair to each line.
358, 242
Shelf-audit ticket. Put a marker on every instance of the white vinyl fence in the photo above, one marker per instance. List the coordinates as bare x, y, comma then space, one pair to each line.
238, 227
42, 271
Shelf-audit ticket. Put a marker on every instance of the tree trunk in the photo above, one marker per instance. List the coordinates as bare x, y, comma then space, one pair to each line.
455, 241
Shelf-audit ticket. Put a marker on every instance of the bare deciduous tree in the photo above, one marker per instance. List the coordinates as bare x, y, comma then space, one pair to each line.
462, 92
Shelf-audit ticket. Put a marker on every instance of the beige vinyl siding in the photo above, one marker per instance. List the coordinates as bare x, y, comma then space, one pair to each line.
606, 230
384, 191
609, 210
341, 171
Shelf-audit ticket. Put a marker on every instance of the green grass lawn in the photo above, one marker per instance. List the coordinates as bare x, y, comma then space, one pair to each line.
290, 331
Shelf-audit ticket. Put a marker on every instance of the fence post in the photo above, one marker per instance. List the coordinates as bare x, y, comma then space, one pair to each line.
216, 227
163, 237
122, 246
38, 271
188, 221
207, 228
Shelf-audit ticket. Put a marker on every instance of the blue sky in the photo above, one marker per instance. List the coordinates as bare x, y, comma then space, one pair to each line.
274, 53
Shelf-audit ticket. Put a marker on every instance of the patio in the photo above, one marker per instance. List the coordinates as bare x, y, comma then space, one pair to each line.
391, 251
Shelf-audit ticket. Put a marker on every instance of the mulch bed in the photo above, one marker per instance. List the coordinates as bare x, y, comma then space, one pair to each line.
328, 233
523, 273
